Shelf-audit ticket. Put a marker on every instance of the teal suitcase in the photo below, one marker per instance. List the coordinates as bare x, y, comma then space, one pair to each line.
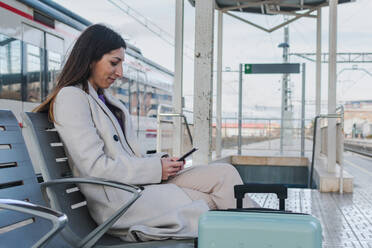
258, 228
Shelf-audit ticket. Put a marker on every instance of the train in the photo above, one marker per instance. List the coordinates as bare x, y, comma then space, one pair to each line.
35, 38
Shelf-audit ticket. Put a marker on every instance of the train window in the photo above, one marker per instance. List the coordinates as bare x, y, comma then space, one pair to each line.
141, 77
148, 100
159, 78
130, 85
128, 71
129, 97
141, 91
126, 68
154, 107
34, 67
164, 97
54, 47
53, 43
120, 89
134, 101
54, 68
33, 36
33, 51
10, 68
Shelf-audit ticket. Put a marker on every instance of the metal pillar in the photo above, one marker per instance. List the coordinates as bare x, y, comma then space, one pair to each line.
341, 158
318, 87
303, 110
219, 86
284, 108
332, 77
240, 109
318, 62
177, 85
9, 56
203, 79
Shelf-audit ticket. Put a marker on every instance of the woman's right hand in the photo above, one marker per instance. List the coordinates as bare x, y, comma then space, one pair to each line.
170, 167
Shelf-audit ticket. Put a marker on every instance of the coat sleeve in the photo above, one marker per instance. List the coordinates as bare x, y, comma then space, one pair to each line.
85, 147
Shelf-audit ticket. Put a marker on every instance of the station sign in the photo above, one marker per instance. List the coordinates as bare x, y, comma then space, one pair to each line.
248, 68
282, 68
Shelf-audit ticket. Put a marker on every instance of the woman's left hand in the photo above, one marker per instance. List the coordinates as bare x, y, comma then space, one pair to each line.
170, 167
183, 164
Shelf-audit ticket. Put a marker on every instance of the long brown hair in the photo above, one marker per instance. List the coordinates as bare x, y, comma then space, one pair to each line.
91, 45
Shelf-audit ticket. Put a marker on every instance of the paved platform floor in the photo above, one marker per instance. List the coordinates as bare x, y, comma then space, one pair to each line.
271, 148
346, 218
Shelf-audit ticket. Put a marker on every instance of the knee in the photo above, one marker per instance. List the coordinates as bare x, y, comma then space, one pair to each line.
228, 170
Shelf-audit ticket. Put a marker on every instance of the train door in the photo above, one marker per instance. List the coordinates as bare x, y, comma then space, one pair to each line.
33, 64
42, 62
54, 55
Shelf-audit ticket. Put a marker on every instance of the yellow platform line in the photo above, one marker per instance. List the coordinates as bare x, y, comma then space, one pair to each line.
358, 167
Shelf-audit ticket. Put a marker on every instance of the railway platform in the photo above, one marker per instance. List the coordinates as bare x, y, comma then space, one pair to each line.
346, 218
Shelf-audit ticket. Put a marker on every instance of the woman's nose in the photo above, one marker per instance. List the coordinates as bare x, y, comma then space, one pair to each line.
119, 71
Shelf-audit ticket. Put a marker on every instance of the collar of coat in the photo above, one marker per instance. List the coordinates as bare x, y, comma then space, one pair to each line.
125, 116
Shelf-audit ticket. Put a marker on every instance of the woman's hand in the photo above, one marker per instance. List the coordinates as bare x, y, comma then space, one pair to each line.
170, 167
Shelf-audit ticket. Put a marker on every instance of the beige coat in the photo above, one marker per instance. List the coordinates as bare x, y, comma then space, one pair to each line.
87, 128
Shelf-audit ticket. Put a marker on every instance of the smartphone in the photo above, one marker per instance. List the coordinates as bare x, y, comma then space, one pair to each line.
187, 154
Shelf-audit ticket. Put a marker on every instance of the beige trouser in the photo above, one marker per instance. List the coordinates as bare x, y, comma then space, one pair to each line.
213, 183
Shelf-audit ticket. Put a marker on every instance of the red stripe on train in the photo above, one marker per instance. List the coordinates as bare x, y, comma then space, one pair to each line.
151, 130
30, 17
17, 11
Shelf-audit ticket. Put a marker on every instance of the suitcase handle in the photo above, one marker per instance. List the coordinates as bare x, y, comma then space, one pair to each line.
279, 189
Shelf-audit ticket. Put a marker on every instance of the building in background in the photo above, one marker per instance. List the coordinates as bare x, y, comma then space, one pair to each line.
358, 119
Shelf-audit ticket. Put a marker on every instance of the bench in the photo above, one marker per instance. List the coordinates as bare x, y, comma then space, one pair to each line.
24, 222
81, 230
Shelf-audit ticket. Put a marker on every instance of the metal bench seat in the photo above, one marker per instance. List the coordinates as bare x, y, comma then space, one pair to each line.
81, 230
23, 221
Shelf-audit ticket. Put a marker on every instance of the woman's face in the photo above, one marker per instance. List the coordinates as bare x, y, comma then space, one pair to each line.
106, 70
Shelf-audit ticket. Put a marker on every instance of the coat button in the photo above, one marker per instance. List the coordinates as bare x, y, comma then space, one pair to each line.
116, 138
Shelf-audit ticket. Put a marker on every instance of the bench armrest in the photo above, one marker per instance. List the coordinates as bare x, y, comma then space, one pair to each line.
58, 219
279, 189
99, 231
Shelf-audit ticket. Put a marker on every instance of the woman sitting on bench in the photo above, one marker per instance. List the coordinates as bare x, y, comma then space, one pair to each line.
99, 140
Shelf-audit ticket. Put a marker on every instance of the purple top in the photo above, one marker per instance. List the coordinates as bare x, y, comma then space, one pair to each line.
111, 108
102, 97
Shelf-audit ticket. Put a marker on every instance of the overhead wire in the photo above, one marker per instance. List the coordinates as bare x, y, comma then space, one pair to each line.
354, 82
362, 6
306, 41
151, 26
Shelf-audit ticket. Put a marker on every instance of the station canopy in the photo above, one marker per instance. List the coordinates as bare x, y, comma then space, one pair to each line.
270, 7
294, 8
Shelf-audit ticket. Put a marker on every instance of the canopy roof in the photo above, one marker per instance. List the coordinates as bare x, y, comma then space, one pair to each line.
269, 7
295, 8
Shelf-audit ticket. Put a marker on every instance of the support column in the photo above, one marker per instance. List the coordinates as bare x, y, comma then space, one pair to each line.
318, 96
178, 74
203, 80
240, 110
303, 110
219, 86
318, 93
285, 108
332, 78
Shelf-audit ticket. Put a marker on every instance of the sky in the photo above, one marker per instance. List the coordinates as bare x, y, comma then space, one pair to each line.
243, 43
